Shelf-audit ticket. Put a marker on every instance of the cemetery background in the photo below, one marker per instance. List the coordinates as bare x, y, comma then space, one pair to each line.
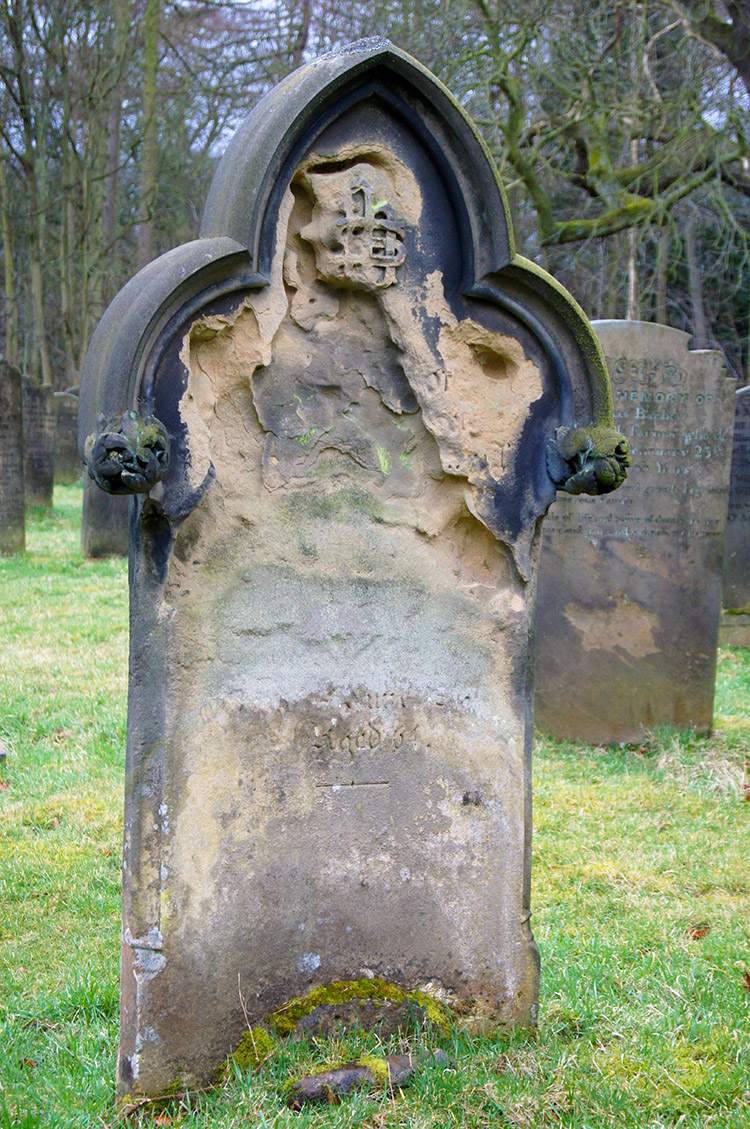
640, 892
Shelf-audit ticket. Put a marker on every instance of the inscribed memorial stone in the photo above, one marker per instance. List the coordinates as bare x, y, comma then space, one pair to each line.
12, 516
735, 628
343, 411
629, 590
38, 443
68, 466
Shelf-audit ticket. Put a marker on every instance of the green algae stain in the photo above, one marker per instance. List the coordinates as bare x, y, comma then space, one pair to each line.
384, 461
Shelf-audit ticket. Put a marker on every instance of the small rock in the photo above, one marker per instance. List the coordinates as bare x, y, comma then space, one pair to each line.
331, 1085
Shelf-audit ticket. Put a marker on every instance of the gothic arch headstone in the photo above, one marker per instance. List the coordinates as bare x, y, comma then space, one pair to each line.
343, 411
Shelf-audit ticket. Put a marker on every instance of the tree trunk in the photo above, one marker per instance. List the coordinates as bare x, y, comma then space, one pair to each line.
300, 42
11, 303
149, 132
662, 269
37, 230
700, 324
633, 313
114, 123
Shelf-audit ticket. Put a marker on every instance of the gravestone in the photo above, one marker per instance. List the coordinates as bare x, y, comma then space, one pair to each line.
68, 466
342, 412
735, 627
629, 591
104, 522
38, 443
12, 516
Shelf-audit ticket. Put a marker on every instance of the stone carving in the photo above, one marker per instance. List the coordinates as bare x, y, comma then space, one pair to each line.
129, 455
328, 773
357, 236
588, 460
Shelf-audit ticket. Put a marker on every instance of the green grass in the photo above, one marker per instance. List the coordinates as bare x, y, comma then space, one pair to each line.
641, 903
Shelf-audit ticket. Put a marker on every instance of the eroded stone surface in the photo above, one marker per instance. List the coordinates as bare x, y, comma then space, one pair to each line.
12, 516
344, 788
629, 586
737, 554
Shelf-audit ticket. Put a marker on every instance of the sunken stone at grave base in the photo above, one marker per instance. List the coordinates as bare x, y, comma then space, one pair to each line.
629, 590
737, 554
68, 465
335, 410
12, 516
38, 443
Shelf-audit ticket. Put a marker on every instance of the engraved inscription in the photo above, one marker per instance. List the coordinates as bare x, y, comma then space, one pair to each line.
737, 559
663, 421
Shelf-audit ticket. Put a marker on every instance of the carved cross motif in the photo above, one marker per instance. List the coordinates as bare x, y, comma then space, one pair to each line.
371, 229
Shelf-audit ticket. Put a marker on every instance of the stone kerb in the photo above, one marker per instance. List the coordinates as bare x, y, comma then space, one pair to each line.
629, 590
12, 516
735, 627
341, 414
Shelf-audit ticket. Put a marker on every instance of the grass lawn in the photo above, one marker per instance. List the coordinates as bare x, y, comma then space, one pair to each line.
641, 905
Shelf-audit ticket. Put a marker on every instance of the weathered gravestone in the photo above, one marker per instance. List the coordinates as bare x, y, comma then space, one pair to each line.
350, 403
68, 466
38, 443
104, 522
629, 591
735, 627
12, 516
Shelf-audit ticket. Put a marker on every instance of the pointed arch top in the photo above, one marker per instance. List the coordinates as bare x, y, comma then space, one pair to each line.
261, 157
373, 90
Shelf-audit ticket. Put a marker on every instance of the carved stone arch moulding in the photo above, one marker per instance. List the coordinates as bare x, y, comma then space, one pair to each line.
371, 90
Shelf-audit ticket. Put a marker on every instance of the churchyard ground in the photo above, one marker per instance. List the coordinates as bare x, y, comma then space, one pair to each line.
641, 900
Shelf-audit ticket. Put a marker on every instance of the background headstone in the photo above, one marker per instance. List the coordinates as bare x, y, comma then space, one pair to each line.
735, 627
68, 465
104, 522
343, 411
629, 589
38, 443
12, 517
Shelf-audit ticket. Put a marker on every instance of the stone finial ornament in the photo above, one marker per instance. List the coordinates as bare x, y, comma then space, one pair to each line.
588, 460
370, 402
129, 455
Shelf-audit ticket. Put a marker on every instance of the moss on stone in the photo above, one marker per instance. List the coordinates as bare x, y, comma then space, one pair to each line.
255, 1046
378, 1067
436, 1012
285, 1019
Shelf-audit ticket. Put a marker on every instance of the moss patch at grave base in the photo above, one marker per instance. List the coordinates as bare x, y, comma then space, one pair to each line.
285, 1019
255, 1046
